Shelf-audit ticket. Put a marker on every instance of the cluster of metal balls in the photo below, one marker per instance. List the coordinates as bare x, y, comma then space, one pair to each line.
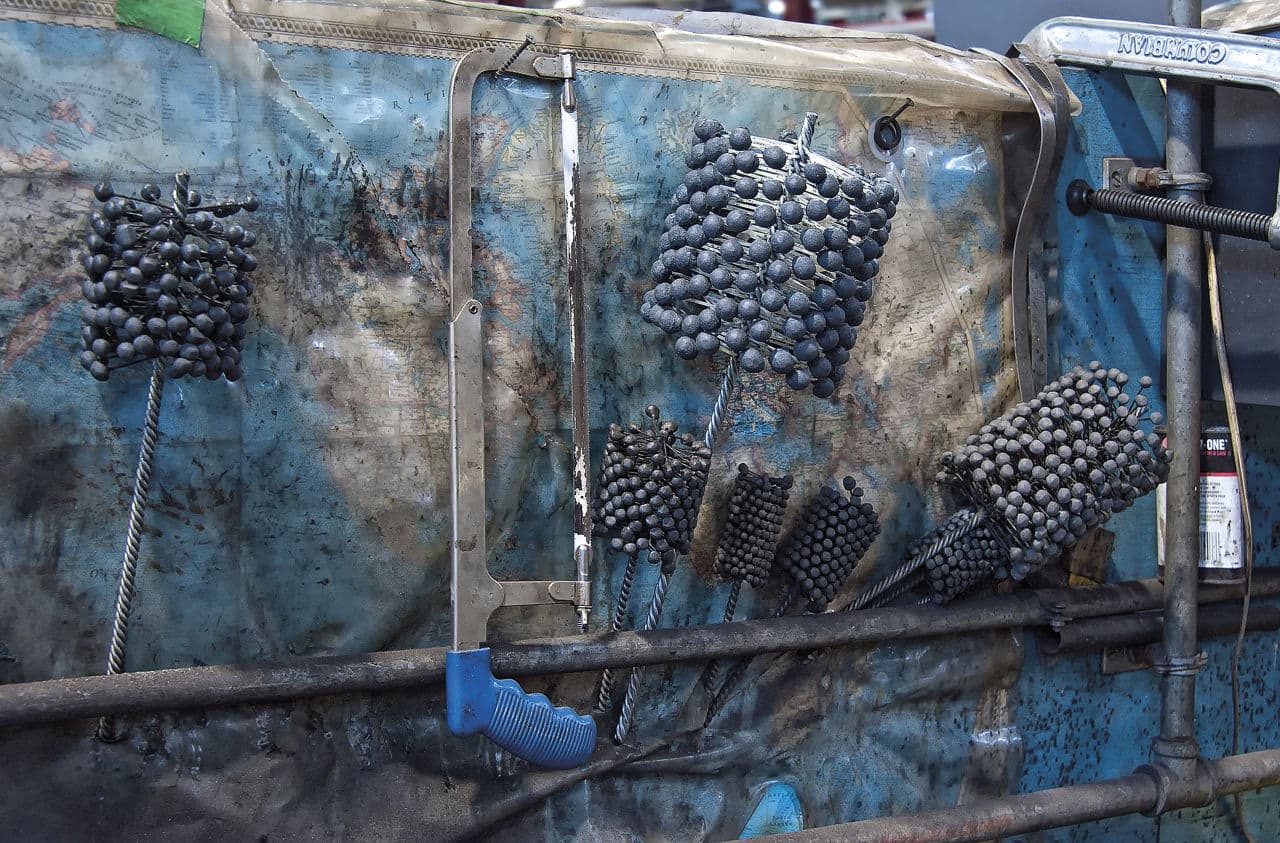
769, 255
831, 538
167, 282
651, 486
749, 538
1060, 464
975, 557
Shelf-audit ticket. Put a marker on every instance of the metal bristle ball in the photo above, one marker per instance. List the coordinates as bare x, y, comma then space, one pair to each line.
827, 544
749, 539
166, 281
769, 254
1056, 466
977, 556
650, 489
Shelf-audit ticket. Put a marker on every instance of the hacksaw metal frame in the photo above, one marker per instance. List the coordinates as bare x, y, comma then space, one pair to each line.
475, 594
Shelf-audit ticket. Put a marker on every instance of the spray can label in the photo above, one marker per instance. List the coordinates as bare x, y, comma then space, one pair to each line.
1221, 542
1220, 516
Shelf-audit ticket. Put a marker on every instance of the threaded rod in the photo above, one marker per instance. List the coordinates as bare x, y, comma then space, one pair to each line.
1081, 199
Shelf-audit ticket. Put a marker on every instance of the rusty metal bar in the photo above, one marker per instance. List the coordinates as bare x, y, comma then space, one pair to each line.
230, 685
1147, 628
1142, 792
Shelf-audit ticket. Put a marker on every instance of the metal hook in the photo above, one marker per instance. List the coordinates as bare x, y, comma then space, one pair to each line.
886, 133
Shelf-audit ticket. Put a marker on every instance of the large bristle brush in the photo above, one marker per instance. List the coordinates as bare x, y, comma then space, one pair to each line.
168, 283
1035, 481
650, 489
831, 538
769, 255
749, 539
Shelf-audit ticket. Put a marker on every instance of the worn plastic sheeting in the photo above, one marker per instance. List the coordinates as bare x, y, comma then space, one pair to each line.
303, 511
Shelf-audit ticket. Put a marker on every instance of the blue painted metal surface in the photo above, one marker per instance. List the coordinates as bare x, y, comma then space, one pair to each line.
1076, 724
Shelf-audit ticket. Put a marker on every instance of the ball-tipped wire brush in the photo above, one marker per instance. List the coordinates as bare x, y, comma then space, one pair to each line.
1034, 481
748, 540
769, 255
832, 537
168, 283
650, 490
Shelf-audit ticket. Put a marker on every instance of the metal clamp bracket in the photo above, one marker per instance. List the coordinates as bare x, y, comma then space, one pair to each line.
1166, 666
1052, 100
1216, 58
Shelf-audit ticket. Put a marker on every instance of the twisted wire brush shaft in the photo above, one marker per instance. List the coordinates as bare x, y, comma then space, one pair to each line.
740, 666
137, 515
712, 676
633, 682
727, 385
907, 575
604, 701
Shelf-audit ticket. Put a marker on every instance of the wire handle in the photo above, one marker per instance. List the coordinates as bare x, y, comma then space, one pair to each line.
908, 574
106, 730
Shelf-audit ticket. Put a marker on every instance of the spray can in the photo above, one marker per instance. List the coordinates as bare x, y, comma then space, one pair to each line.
1221, 520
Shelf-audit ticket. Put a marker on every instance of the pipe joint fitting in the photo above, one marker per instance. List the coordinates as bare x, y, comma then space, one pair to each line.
1174, 791
1189, 666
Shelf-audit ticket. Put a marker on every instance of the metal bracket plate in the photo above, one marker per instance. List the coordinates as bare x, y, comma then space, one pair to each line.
1125, 174
1028, 294
1216, 58
1129, 659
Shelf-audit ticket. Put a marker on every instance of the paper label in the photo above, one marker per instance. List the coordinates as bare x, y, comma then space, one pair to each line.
1220, 514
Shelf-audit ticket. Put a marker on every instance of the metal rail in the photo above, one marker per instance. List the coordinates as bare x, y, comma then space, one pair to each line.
1176, 746
57, 700
1148, 628
1147, 791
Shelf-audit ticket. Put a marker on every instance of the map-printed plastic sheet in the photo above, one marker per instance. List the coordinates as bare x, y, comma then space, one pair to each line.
303, 511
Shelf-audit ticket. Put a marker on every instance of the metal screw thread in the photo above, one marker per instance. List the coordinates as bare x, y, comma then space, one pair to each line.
526, 44
727, 385
909, 572
633, 683
712, 675
740, 666
133, 540
1186, 214
181, 189
607, 679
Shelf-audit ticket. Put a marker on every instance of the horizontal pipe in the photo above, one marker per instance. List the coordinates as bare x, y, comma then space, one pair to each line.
990, 818
217, 686
1146, 628
1045, 809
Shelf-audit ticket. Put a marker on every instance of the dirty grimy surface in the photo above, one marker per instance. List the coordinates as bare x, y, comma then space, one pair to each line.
303, 511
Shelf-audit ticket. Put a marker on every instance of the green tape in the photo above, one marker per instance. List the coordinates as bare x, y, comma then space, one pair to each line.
181, 20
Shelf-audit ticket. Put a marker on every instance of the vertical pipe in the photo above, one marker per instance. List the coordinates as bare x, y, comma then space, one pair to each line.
1184, 269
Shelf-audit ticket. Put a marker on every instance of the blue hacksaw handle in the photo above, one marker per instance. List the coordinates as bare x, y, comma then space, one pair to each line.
525, 724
